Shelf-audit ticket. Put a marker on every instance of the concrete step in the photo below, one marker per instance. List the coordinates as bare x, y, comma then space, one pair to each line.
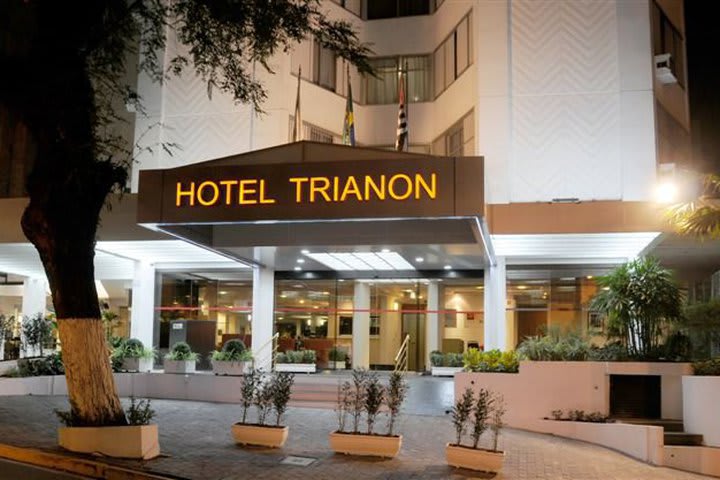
668, 425
682, 438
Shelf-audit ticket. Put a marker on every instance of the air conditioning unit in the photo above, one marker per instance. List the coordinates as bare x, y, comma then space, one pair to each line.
663, 70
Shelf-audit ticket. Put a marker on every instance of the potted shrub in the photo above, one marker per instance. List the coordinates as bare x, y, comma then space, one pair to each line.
138, 439
233, 359
134, 356
267, 395
181, 359
445, 364
480, 413
337, 359
302, 361
365, 395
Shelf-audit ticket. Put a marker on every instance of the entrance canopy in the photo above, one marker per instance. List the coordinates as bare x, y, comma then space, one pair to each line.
327, 207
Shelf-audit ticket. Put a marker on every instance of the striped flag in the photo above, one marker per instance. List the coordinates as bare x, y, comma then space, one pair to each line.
297, 124
348, 136
401, 142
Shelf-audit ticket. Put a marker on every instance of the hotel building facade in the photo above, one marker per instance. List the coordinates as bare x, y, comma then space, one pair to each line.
538, 131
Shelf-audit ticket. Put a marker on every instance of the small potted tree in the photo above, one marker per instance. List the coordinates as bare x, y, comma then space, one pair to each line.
267, 394
138, 439
482, 412
337, 358
302, 361
233, 359
366, 395
181, 359
134, 356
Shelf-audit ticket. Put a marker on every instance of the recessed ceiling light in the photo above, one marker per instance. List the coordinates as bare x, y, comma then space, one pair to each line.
302, 300
297, 269
315, 307
385, 250
479, 287
222, 292
521, 287
589, 277
305, 251
300, 260
419, 259
448, 267
341, 279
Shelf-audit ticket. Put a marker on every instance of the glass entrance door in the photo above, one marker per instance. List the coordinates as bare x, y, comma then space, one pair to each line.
413, 324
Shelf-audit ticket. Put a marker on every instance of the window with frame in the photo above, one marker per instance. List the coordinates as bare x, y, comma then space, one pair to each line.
383, 88
324, 66
667, 39
458, 140
378, 9
453, 56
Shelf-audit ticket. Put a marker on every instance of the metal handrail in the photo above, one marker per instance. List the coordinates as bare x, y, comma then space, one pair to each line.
273, 341
401, 358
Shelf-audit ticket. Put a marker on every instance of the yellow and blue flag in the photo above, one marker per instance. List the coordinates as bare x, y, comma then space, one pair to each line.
348, 137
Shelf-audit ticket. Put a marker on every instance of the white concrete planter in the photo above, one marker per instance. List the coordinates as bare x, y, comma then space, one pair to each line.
474, 459
137, 364
230, 368
264, 436
295, 367
337, 365
445, 371
136, 441
701, 397
367, 445
179, 366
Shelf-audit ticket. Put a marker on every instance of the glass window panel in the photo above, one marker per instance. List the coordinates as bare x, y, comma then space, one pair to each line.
449, 47
325, 67
462, 46
413, 7
383, 88
418, 78
439, 70
381, 9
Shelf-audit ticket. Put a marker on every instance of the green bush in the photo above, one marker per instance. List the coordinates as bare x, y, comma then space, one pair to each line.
555, 347
235, 346
439, 359
475, 360
181, 351
610, 352
132, 348
233, 351
337, 355
708, 367
299, 356
35, 367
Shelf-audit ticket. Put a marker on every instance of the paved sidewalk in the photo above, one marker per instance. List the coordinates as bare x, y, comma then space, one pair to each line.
196, 438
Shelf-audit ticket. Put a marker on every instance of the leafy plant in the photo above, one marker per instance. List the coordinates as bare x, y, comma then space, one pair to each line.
337, 355
181, 351
610, 352
344, 404
555, 346
281, 357
395, 396
497, 415
132, 348
36, 332
249, 384
437, 358
641, 300
300, 356
281, 386
475, 360
374, 397
234, 350
263, 399
7, 327
139, 412
308, 356
357, 396
557, 414
481, 412
707, 368
461, 412
35, 367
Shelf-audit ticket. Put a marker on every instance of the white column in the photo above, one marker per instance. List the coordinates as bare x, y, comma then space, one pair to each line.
361, 326
495, 296
263, 307
142, 314
433, 329
33, 302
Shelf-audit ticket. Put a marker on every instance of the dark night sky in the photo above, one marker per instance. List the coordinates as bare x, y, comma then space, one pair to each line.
702, 32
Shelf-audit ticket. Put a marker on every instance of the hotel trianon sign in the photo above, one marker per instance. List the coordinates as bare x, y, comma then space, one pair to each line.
377, 189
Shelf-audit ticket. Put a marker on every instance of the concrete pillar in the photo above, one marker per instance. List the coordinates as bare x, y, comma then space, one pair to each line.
433, 327
495, 297
142, 313
33, 302
263, 307
361, 326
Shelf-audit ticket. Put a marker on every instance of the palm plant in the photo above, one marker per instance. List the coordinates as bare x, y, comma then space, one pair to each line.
641, 300
700, 217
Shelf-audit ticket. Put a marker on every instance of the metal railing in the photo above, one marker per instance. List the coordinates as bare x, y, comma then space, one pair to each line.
401, 359
273, 344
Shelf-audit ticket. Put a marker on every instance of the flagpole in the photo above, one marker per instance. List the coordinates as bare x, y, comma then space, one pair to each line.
407, 108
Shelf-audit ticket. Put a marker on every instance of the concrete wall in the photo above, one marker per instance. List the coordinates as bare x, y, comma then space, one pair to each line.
701, 403
570, 385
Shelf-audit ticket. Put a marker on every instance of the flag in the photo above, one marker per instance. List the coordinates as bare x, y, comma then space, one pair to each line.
297, 125
401, 142
348, 136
